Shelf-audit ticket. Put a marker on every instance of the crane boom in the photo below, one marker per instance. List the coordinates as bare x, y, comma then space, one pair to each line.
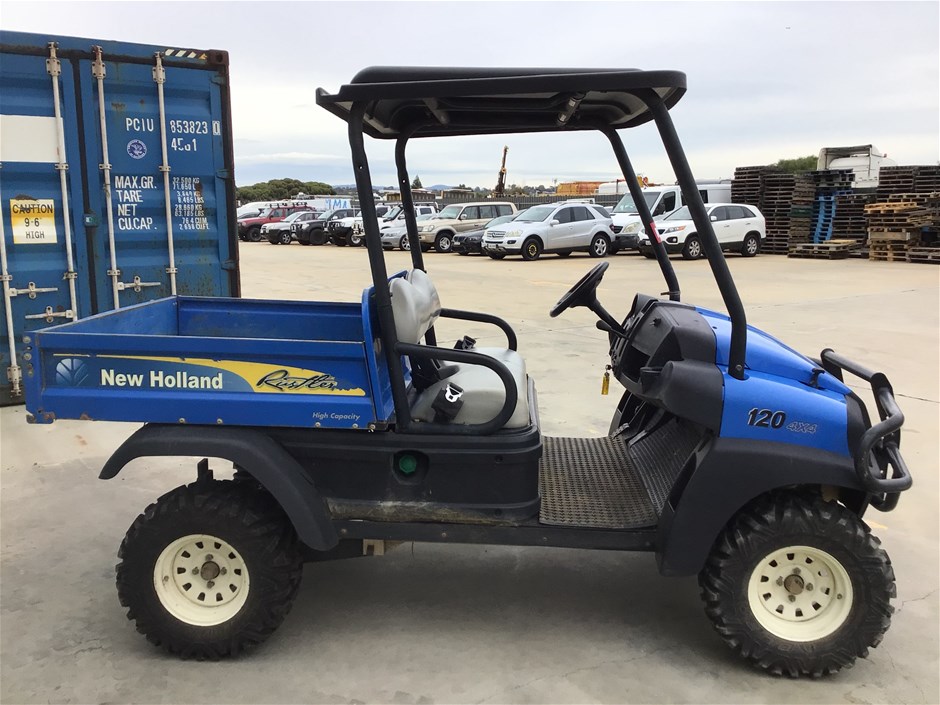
500, 189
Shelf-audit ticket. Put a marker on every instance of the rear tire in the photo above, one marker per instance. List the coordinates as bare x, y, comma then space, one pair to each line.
355, 240
600, 246
285, 238
254, 234
531, 249
210, 569
405, 243
317, 237
798, 586
750, 246
692, 248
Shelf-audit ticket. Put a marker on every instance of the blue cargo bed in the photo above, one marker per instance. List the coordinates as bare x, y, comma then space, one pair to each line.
197, 360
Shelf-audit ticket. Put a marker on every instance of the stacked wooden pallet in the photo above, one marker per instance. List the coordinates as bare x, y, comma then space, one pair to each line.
788, 210
833, 249
893, 226
849, 221
747, 186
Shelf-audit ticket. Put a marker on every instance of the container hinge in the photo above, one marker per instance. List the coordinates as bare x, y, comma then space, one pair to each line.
15, 376
228, 265
53, 65
70, 275
51, 315
219, 79
172, 270
98, 69
6, 277
136, 285
159, 73
62, 166
165, 167
223, 174
31, 290
104, 167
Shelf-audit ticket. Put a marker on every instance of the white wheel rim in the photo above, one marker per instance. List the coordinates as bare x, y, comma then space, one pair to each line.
445, 243
800, 593
405, 243
211, 595
694, 248
600, 246
752, 246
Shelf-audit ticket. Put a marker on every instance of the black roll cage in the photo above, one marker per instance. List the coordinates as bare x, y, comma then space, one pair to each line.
405, 102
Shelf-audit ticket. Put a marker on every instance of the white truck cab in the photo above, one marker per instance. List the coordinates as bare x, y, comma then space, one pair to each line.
661, 201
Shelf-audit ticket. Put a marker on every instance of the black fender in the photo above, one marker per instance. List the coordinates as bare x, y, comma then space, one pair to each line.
725, 475
250, 450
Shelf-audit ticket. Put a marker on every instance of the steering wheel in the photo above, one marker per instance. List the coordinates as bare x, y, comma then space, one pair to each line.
584, 293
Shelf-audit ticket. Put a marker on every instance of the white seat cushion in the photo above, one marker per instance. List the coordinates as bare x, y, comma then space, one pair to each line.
484, 393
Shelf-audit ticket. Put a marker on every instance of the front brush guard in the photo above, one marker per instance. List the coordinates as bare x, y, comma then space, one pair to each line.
878, 461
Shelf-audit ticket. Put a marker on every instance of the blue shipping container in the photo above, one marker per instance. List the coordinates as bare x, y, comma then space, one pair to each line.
116, 182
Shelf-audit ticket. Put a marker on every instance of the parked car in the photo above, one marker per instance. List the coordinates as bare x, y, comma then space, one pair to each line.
395, 218
280, 233
348, 230
738, 227
559, 228
397, 236
250, 228
471, 242
439, 231
314, 232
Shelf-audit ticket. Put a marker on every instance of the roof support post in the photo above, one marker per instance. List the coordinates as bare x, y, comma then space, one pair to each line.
669, 274
408, 204
383, 297
716, 258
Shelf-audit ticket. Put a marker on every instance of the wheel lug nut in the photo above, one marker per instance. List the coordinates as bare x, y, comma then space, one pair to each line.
839, 596
792, 598
809, 586
796, 571
209, 557
195, 571
780, 581
210, 584
223, 571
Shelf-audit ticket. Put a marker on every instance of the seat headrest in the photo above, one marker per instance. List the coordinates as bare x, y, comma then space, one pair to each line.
415, 305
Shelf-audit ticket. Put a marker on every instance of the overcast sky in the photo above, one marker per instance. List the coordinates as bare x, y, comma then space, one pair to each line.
765, 80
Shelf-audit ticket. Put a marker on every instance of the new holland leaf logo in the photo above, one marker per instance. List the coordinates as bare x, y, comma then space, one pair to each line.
71, 371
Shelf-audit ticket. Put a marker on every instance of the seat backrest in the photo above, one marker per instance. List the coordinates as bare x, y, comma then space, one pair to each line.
415, 305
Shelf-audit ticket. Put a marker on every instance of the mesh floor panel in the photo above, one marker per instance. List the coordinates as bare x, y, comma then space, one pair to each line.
661, 456
591, 482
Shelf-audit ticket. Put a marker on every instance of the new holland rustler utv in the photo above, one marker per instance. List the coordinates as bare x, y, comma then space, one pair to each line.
730, 456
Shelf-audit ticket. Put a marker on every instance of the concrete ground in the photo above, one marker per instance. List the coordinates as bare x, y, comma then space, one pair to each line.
474, 624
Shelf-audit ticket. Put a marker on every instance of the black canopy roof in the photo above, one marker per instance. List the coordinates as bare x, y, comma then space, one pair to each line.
470, 101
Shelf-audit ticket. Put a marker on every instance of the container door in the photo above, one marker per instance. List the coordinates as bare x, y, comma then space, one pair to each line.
40, 284
164, 230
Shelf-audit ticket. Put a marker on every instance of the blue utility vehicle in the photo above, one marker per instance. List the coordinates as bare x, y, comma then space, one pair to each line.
730, 456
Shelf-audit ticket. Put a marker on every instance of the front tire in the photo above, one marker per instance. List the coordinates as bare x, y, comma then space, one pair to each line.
531, 249
285, 238
600, 246
443, 242
254, 234
405, 243
692, 248
210, 569
495, 255
798, 586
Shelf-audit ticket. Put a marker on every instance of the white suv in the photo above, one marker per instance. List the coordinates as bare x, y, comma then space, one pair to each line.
738, 227
561, 228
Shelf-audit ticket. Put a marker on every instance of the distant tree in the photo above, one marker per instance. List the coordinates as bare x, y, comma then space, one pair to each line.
282, 189
417, 182
798, 164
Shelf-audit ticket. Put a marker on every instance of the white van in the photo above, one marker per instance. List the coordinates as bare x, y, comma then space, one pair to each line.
662, 201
